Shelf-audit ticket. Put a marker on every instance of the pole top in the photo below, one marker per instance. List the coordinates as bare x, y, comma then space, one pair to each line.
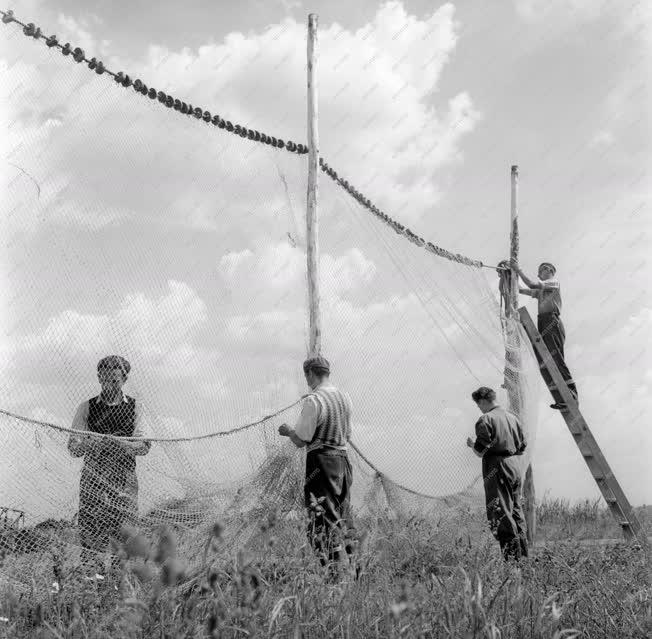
312, 18
514, 168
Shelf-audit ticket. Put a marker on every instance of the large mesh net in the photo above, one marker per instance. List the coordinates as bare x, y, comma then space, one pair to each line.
135, 229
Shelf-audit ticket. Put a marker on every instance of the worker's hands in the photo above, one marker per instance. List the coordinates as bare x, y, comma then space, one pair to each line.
514, 264
503, 267
469, 442
284, 430
132, 447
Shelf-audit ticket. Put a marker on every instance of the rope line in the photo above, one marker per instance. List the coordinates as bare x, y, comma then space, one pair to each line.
223, 433
239, 429
123, 79
416, 493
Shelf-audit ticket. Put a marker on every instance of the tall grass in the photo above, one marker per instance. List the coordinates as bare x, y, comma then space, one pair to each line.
417, 579
586, 519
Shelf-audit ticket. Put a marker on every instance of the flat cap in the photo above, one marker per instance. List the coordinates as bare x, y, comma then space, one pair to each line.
550, 265
317, 364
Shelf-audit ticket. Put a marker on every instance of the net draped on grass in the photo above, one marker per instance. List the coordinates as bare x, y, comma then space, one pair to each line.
133, 229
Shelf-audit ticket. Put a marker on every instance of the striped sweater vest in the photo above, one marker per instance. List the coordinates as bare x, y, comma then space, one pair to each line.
334, 423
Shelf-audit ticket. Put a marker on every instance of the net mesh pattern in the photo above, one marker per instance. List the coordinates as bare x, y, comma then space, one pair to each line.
132, 230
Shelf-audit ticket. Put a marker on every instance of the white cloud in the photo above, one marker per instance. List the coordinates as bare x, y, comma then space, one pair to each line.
277, 269
110, 156
602, 139
156, 334
631, 20
78, 32
538, 10
230, 262
257, 79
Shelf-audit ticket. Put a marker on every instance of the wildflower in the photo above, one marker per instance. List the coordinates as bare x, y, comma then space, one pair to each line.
4, 619
315, 504
402, 604
555, 611
55, 587
95, 577
397, 608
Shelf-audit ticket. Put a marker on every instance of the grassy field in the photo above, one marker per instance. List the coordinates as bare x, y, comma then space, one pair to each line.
418, 579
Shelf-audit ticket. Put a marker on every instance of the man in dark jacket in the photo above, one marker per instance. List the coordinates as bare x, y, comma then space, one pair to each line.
499, 441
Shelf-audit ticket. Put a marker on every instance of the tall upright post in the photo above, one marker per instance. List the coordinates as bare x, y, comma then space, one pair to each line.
513, 354
514, 244
312, 236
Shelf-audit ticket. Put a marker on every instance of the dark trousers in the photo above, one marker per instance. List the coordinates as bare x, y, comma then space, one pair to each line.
503, 486
327, 498
104, 508
552, 331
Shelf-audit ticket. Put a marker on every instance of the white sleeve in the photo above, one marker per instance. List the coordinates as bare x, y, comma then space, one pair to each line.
76, 444
140, 428
307, 423
550, 284
80, 420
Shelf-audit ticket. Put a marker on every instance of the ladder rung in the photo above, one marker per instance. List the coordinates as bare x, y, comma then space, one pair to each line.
588, 447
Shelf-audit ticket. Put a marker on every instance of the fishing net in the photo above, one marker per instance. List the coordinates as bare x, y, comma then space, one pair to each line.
139, 225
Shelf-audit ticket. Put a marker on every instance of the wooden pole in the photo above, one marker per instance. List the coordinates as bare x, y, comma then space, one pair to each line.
513, 354
514, 243
312, 236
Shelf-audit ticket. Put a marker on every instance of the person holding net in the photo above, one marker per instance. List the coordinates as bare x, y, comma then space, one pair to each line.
499, 441
324, 426
548, 294
108, 489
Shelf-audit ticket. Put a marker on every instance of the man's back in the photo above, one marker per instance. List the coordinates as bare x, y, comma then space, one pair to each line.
334, 416
499, 433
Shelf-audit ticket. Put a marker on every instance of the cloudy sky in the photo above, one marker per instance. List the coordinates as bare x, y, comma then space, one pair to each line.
132, 228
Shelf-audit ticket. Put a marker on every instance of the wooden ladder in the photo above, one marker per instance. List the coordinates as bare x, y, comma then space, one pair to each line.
613, 494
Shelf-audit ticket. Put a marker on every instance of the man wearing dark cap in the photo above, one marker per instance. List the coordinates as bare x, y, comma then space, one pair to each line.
324, 427
108, 490
499, 441
547, 292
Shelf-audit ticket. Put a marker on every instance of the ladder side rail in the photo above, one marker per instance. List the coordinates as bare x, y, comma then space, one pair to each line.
579, 428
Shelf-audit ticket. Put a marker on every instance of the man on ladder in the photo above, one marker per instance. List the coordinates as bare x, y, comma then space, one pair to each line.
548, 294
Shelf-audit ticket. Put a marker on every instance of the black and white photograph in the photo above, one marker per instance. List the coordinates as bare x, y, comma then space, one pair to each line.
325, 319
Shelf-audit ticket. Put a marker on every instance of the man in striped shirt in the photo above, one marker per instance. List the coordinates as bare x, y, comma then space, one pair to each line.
548, 294
324, 427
